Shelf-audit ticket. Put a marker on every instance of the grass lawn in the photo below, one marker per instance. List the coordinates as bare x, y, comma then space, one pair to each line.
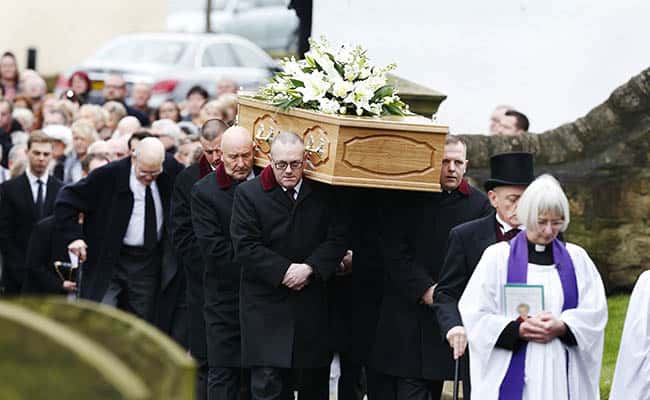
617, 305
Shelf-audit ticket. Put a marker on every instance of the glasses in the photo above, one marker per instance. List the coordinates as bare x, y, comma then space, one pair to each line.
282, 165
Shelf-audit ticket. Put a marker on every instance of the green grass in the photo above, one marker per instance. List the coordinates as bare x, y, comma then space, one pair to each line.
617, 308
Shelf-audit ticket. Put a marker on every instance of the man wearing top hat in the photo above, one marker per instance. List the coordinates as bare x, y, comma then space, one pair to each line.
510, 174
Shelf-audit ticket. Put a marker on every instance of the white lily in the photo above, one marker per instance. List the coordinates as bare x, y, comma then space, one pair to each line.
315, 86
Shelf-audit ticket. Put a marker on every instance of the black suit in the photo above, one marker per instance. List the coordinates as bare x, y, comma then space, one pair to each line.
212, 200
18, 215
282, 328
188, 281
45, 247
409, 347
106, 200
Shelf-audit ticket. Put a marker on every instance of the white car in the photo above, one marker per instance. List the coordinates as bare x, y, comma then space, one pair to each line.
174, 62
267, 23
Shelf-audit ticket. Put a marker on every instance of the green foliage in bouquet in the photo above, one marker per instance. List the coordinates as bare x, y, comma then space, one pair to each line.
334, 80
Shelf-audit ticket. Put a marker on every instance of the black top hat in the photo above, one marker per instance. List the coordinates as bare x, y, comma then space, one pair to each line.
510, 169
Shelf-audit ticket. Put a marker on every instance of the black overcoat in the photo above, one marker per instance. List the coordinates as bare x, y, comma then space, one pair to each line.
184, 292
17, 219
106, 200
408, 342
212, 199
282, 327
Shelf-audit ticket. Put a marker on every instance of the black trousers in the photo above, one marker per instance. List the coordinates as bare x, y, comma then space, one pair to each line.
386, 387
351, 385
228, 383
271, 383
134, 285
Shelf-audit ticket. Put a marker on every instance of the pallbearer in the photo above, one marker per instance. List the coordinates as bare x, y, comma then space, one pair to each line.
288, 237
556, 352
212, 199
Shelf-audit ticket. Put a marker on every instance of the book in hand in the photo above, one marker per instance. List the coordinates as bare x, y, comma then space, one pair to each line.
522, 301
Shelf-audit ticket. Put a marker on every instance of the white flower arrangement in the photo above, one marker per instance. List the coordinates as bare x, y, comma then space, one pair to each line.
334, 80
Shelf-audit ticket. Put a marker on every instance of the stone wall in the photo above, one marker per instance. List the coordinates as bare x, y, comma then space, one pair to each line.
602, 161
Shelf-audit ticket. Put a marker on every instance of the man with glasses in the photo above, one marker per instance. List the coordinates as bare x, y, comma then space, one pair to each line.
187, 247
289, 238
121, 241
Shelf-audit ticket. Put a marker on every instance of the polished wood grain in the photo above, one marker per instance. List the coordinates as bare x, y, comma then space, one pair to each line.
389, 152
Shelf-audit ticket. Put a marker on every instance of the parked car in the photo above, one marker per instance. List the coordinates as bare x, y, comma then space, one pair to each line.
267, 23
174, 62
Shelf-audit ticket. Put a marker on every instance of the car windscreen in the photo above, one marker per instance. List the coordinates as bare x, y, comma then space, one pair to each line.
144, 51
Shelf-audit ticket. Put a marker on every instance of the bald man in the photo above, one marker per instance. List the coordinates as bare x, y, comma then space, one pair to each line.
186, 284
212, 199
121, 241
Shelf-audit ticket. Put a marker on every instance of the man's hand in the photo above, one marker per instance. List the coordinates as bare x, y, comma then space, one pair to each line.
78, 247
297, 276
542, 328
69, 286
427, 297
457, 340
345, 267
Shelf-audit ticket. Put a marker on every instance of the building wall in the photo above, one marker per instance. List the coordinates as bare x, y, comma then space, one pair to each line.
66, 31
552, 59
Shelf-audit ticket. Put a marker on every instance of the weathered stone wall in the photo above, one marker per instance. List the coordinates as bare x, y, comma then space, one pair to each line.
602, 161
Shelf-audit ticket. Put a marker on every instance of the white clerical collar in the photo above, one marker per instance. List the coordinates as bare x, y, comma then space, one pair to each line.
540, 248
506, 227
33, 178
296, 188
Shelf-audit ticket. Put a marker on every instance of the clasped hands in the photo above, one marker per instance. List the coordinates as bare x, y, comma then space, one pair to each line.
541, 328
297, 276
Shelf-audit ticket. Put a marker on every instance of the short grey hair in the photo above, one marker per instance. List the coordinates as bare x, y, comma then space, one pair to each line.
543, 195
167, 127
287, 138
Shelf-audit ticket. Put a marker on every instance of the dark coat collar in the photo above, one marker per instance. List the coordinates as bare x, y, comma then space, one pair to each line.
204, 166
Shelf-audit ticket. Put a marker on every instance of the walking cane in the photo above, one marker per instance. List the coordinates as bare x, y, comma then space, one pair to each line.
79, 276
456, 368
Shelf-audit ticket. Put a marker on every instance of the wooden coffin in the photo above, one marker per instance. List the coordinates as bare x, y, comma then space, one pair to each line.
388, 152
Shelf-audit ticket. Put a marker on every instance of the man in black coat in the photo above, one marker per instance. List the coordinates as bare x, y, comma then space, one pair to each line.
115, 90
25, 200
288, 237
212, 199
125, 206
187, 247
510, 174
408, 349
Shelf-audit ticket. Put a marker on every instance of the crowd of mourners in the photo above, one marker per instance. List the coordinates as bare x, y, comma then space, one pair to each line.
266, 276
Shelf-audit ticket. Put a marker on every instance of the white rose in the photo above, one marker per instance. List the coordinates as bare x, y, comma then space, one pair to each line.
329, 106
341, 88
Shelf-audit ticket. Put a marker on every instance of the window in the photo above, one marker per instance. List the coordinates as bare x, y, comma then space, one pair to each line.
249, 58
219, 55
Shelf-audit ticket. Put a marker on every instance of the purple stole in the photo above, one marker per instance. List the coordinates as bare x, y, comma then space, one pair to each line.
512, 386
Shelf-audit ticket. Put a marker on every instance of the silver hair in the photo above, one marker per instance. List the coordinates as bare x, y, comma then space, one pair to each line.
168, 128
543, 195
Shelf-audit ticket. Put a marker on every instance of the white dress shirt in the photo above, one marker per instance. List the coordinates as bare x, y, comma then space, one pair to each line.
33, 184
295, 188
135, 231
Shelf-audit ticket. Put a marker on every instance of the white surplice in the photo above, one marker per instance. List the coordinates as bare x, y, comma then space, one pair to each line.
632, 374
481, 308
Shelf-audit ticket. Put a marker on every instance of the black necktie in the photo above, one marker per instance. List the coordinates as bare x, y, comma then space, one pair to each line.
511, 233
39, 199
290, 193
150, 231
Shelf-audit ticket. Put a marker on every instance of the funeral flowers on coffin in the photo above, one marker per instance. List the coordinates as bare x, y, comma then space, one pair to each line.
334, 80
